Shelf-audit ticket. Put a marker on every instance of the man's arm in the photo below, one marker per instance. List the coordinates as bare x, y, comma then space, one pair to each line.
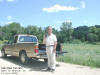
55, 45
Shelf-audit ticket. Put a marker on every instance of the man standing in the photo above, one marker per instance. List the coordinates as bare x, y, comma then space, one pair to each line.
51, 41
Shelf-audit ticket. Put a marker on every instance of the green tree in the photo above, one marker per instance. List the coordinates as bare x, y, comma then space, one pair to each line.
1, 33
40, 34
66, 31
98, 33
92, 37
93, 29
81, 33
34, 30
11, 30
93, 34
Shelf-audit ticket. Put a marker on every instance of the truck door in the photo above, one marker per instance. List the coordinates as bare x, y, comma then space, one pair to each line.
9, 47
15, 46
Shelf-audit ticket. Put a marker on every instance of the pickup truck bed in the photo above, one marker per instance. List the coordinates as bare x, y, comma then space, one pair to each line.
42, 50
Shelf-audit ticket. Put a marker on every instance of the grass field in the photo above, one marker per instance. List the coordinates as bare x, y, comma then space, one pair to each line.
83, 54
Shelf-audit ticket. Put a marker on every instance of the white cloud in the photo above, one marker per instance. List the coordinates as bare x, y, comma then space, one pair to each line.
83, 4
9, 18
57, 8
10, 0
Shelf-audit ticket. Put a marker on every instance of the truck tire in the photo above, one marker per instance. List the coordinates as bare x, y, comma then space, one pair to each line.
23, 58
46, 60
3, 54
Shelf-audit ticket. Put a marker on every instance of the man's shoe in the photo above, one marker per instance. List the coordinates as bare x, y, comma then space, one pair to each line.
52, 70
48, 69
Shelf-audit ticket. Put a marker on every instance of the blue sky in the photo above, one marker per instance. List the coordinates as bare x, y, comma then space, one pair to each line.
50, 12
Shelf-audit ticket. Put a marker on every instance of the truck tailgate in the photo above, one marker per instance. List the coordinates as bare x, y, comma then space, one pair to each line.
59, 51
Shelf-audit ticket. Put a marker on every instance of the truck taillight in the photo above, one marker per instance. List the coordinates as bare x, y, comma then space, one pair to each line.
36, 49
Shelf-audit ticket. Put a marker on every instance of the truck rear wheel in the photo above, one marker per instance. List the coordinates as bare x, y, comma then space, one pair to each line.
3, 53
23, 58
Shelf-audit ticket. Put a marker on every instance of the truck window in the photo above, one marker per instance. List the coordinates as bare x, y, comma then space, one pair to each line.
27, 39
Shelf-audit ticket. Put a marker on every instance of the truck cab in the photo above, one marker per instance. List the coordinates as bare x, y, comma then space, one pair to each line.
23, 46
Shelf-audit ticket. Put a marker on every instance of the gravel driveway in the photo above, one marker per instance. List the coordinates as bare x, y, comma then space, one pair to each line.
12, 66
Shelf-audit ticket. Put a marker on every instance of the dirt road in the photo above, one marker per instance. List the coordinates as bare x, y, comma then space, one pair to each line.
12, 66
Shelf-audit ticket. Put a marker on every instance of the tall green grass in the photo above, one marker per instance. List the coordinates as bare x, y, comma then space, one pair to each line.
83, 54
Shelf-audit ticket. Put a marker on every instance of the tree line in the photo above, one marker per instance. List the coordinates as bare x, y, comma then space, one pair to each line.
65, 34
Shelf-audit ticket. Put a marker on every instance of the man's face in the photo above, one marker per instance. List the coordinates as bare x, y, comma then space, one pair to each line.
49, 30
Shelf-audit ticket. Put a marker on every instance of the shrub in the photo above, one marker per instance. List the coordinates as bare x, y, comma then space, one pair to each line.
76, 41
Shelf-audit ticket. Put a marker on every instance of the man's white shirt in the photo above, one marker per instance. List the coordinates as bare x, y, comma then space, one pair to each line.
50, 39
